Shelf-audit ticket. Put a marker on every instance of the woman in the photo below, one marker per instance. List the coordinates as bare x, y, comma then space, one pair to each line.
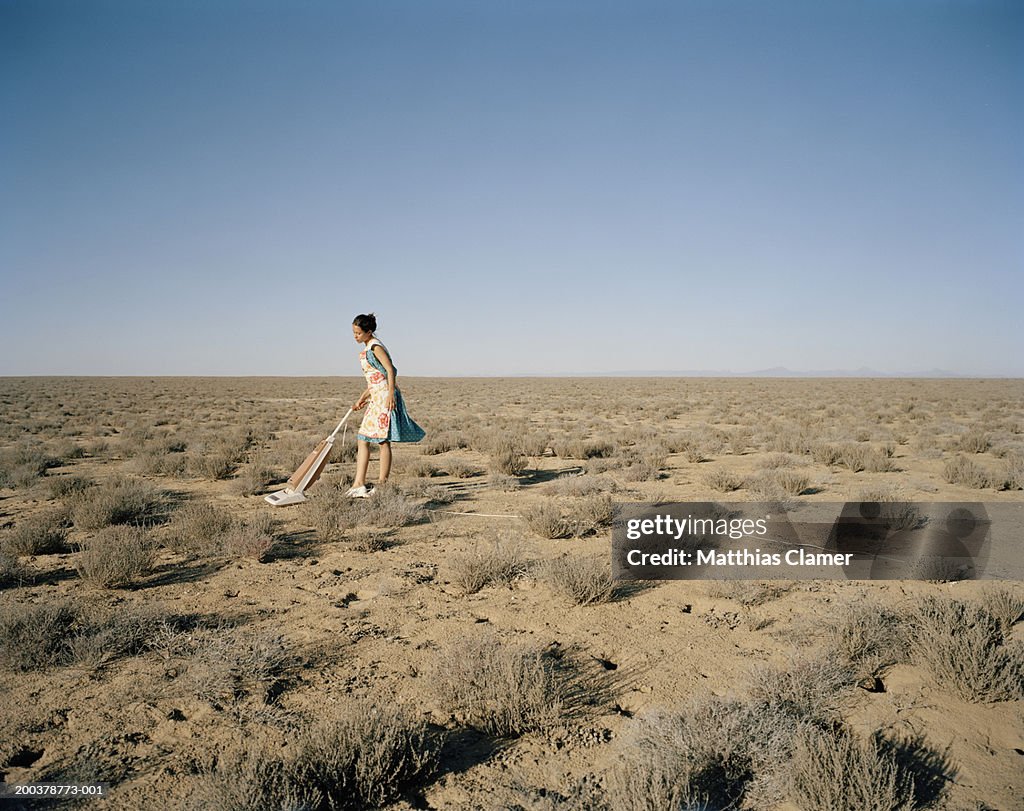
386, 420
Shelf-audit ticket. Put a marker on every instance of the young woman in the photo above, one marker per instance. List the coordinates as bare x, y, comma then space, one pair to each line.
386, 420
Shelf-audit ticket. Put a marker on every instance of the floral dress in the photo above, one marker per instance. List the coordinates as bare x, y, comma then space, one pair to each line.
380, 425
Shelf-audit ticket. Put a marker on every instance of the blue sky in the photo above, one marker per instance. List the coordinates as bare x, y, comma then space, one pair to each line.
513, 187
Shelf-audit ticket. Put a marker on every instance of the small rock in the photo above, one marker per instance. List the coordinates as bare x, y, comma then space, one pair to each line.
872, 684
175, 715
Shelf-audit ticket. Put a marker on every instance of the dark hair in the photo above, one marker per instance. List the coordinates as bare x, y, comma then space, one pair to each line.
367, 323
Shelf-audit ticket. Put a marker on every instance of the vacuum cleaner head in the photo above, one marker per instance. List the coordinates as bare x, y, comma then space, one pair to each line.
307, 473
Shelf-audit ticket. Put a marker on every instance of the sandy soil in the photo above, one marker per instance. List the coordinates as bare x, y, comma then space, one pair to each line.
360, 623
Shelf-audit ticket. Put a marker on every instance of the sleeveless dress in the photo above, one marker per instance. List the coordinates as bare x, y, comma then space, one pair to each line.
378, 424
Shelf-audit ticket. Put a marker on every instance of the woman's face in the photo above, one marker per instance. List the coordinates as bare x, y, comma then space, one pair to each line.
360, 336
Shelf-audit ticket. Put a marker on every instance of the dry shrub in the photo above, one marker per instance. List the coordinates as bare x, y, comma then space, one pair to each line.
217, 461
438, 494
256, 778
725, 753
69, 486
506, 689
199, 528
961, 470
501, 562
39, 535
369, 540
23, 464
218, 458
535, 443
590, 514
854, 456
163, 457
388, 508
791, 482
585, 485
332, 513
123, 632
507, 455
364, 757
442, 442
256, 475
879, 461
791, 440
808, 690
12, 572
644, 462
1012, 477
1005, 605
897, 513
833, 770
764, 488
599, 466
575, 519
582, 794
826, 453
35, 637
974, 441
584, 580
459, 469
964, 647
695, 453
870, 637
116, 557
502, 482
341, 452
722, 480
546, 520
777, 460
118, 501
226, 668
421, 468
699, 757
739, 440
252, 538
419, 486
584, 449
749, 593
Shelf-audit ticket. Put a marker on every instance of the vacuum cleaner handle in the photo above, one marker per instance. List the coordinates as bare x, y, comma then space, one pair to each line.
335, 432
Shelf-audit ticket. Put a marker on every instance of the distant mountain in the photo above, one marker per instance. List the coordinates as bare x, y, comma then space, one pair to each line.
775, 371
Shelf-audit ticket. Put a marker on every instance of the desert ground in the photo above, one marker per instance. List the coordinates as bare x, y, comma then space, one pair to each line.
456, 642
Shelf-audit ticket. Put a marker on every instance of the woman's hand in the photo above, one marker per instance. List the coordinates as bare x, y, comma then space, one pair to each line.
360, 404
389, 404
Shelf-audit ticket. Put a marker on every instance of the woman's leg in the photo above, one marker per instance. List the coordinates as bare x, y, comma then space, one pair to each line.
362, 463
385, 461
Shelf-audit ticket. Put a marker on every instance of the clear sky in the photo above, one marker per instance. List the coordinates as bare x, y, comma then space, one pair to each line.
218, 187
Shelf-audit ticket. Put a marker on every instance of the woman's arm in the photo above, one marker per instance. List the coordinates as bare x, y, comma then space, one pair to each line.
381, 354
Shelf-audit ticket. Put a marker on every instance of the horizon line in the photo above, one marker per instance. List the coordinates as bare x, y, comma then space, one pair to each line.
710, 375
